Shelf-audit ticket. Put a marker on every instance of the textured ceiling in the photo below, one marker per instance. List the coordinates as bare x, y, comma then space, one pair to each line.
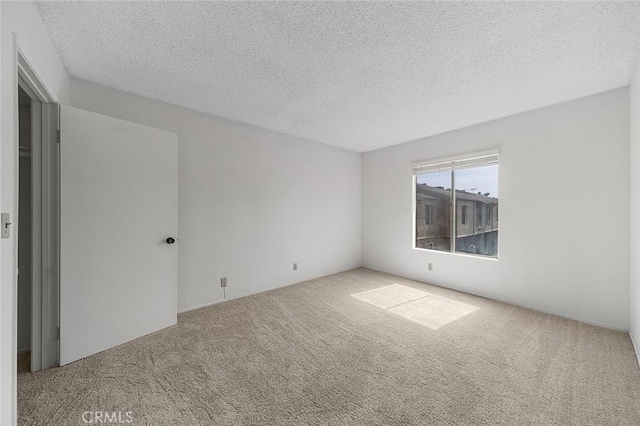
356, 75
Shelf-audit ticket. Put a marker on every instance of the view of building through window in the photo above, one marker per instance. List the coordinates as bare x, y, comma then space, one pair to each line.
476, 210
433, 193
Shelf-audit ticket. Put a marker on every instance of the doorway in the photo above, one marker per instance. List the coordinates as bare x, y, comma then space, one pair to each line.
24, 304
37, 223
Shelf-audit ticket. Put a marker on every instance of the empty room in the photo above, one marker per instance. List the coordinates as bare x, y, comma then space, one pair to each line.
309, 213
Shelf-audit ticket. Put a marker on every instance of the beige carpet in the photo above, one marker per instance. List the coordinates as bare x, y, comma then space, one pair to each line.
332, 351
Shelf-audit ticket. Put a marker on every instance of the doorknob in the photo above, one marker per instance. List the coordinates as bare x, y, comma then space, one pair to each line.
171, 240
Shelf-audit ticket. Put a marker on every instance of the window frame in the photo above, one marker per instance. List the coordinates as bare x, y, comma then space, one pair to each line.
451, 163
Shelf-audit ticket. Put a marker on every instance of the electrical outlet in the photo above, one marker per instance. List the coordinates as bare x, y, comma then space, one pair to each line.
295, 266
223, 282
430, 266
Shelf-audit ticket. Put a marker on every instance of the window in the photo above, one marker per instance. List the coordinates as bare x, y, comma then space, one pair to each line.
450, 190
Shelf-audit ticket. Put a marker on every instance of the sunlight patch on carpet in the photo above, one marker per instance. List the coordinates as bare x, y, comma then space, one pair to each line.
389, 296
415, 305
433, 311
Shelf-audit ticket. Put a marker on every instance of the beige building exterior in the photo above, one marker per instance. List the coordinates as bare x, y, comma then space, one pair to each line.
476, 221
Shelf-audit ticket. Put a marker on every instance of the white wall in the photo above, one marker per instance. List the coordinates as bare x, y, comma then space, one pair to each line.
564, 210
20, 24
634, 95
251, 201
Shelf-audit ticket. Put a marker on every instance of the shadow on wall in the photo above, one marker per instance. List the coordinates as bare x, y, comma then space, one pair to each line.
418, 306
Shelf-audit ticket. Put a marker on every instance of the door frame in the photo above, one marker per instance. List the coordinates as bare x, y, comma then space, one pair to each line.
45, 206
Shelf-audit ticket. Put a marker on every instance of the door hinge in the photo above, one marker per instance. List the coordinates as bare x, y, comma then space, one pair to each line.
58, 136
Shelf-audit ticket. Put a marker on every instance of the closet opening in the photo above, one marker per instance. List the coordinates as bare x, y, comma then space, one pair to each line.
25, 235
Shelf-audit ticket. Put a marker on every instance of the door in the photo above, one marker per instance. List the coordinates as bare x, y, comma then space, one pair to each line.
118, 211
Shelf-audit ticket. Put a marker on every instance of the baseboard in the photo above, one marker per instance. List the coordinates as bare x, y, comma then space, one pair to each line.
510, 302
215, 302
204, 305
635, 349
240, 296
561, 315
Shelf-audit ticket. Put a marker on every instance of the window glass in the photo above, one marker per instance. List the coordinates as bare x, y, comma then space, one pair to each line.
475, 210
477, 188
433, 211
